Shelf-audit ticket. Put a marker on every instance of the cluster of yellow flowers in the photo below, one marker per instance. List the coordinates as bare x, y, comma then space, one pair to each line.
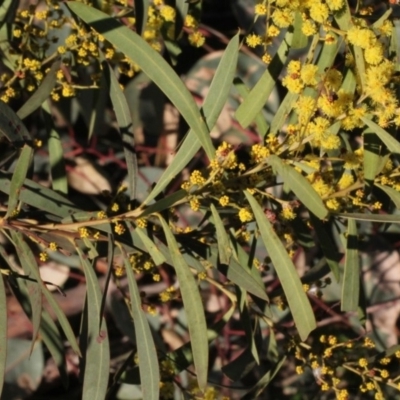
351, 355
37, 43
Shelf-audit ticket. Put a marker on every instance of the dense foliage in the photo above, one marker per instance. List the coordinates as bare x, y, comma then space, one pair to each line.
260, 260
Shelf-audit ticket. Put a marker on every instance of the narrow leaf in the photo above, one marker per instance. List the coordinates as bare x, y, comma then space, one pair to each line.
216, 97
25, 254
18, 178
383, 218
260, 93
298, 302
97, 362
39, 196
152, 64
51, 337
154, 252
59, 179
148, 360
41, 93
125, 125
224, 247
300, 40
393, 194
11, 126
390, 142
283, 112
28, 264
351, 277
262, 383
193, 306
372, 154
241, 275
300, 187
260, 120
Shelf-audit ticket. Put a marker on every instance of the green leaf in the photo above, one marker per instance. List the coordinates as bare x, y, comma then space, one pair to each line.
214, 102
41, 93
7, 14
59, 179
263, 382
372, 154
300, 40
283, 111
152, 64
97, 358
298, 302
257, 98
110, 261
100, 99
11, 126
260, 120
28, 259
193, 306
224, 247
383, 218
18, 178
51, 337
393, 194
123, 115
390, 142
300, 186
183, 357
152, 249
328, 54
28, 264
241, 275
148, 360
141, 13
351, 277
39, 196
165, 203
3, 332
360, 65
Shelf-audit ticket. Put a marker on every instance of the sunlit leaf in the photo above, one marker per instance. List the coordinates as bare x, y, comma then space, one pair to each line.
260, 120
125, 125
59, 180
259, 94
25, 254
241, 275
97, 357
390, 142
153, 250
224, 247
300, 40
392, 193
148, 361
11, 126
151, 63
193, 306
299, 304
28, 264
54, 342
41, 93
383, 218
39, 196
216, 97
300, 186
18, 178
